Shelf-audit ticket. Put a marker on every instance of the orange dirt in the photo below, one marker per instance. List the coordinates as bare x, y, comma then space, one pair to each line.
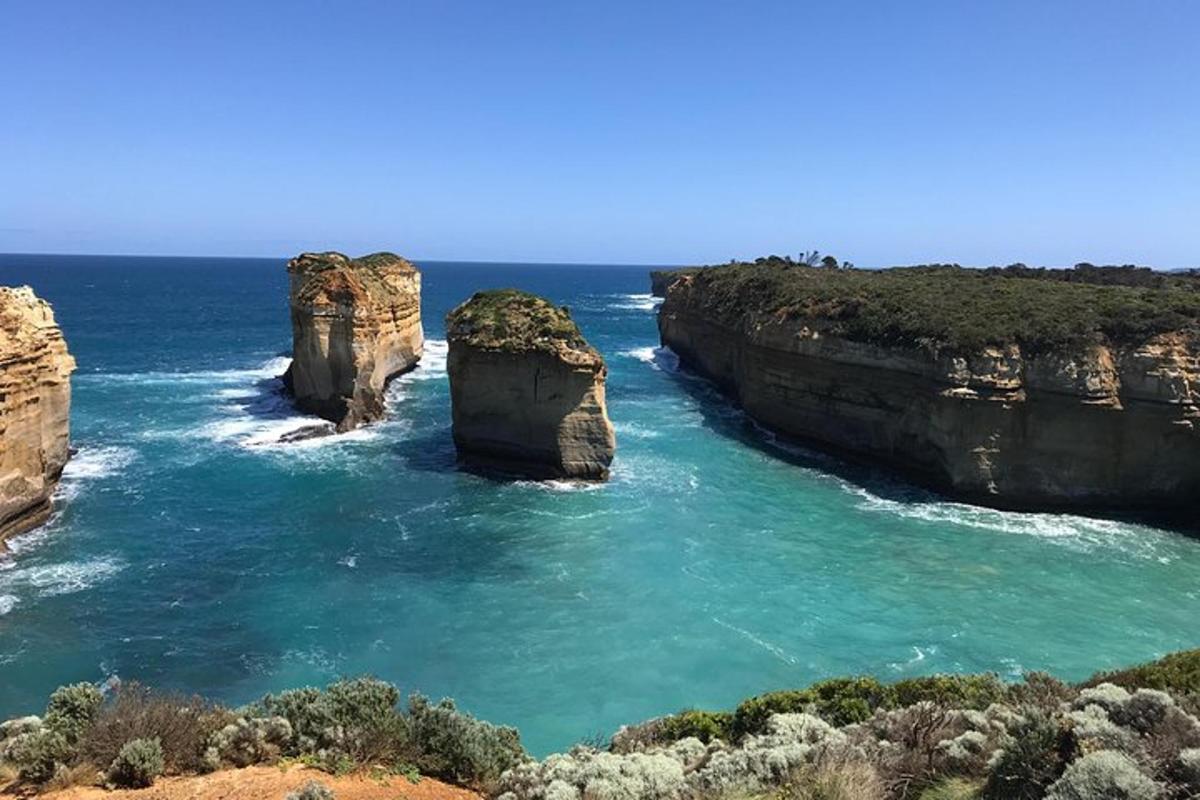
263, 783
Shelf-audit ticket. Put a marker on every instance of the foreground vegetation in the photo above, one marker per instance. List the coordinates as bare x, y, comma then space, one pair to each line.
1131, 735
947, 307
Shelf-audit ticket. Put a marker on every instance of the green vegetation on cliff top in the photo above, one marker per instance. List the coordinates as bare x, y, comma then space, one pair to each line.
514, 319
957, 309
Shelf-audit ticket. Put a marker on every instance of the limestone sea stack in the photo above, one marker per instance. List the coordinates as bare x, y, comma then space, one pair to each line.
356, 324
526, 389
1011, 387
35, 407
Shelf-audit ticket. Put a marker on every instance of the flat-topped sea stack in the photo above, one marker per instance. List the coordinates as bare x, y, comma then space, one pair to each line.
35, 408
526, 389
1015, 388
356, 324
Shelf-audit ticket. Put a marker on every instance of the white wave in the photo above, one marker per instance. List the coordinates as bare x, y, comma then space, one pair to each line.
92, 462
269, 369
50, 580
562, 485
432, 365
7, 603
636, 431
773, 649
1082, 533
660, 358
637, 302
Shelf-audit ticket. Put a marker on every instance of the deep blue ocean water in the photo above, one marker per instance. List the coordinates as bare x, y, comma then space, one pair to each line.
190, 553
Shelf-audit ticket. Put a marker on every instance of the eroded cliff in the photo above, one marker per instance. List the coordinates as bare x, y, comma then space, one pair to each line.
1074, 411
526, 389
356, 324
35, 406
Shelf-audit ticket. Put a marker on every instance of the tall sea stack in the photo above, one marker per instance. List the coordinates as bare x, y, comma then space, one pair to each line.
526, 389
35, 407
356, 324
1014, 388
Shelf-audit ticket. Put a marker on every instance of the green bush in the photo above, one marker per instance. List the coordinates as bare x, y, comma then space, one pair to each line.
1104, 775
704, 725
1032, 758
455, 746
1178, 673
839, 701
39, 754
956, 691
137, 765
72, 710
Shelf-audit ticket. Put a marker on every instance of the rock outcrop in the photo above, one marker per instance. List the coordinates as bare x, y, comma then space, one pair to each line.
661, 279
1106, 425
526, 389
356, 324
35, 406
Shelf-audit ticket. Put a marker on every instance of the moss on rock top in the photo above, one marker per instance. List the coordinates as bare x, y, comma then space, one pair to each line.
947, 306
516, 320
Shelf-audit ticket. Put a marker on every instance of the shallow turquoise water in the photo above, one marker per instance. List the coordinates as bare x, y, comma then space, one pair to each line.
714, 565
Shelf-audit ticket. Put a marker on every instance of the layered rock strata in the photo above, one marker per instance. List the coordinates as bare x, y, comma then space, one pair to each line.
35, 406
356, 324
1103, 426
526, 389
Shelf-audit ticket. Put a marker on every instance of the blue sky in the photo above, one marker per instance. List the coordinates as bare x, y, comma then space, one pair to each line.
645, 132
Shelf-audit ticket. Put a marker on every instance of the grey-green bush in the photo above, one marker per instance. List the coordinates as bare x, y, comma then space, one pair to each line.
1032, 758
1104, 775
39, 754
72, 709
454, 745
313, 790
137, 765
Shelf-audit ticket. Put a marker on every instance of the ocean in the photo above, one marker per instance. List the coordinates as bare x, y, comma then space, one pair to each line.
190, 552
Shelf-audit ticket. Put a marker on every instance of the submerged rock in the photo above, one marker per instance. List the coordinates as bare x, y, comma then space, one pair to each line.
356, 324
35, 406
526, 389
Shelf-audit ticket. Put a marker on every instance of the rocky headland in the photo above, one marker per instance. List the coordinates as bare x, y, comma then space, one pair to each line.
1013, 388
356, 324
35, 406
526, 389
661, 279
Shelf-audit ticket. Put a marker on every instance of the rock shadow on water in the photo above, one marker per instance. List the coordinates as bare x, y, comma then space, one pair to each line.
724, 415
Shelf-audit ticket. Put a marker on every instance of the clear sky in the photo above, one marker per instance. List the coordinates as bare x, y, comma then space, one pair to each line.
1045, 131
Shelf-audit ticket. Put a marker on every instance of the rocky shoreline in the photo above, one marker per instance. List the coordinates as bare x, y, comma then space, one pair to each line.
1096, 426
527, 391
35, 406
356, 325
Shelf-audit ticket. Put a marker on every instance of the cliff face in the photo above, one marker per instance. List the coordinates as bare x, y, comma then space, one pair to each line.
661, 279
1102, 426
35, 405
526, 390
356, 323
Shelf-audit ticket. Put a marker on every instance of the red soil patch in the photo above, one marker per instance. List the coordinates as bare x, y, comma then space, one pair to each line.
263, 783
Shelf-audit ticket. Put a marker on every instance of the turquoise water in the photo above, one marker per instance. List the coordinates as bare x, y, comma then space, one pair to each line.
189, 553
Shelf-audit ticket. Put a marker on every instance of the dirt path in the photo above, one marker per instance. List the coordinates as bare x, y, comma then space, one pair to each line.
265, 783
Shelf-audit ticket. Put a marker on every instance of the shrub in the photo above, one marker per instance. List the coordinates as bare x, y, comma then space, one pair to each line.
182, 725
851, 780
1032, 758
952, 789
1040, 690
353, 719
246, 741
1103, 775
38, 754
1178, 673
1189, 768
956, 691
313, 790
839, 701
72, 710
137, 765
453, 745
703, 725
